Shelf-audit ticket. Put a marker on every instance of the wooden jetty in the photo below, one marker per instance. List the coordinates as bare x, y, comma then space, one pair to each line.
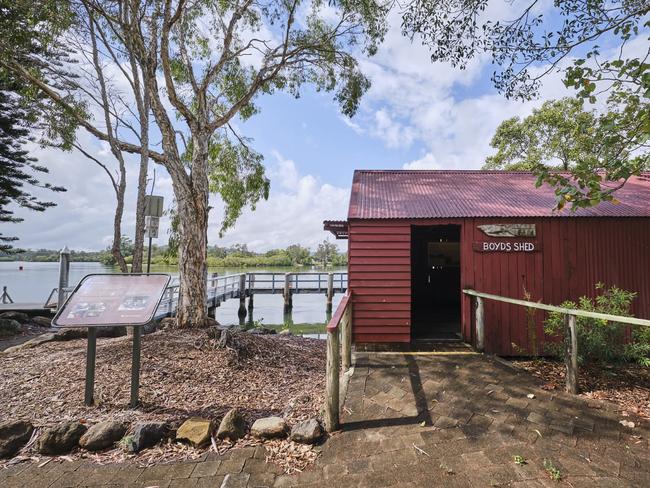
220, 288
247, 285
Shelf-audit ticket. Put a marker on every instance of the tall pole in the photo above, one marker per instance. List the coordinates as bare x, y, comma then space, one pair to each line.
91, 354
64, 275
149, 256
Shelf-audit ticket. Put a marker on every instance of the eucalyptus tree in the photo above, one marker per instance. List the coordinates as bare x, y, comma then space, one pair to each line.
533, 39
204, 62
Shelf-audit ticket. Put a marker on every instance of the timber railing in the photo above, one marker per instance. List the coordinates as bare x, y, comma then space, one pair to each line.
570, 331
339, 345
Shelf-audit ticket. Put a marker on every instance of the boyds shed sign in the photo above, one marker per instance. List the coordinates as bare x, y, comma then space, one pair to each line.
508, 231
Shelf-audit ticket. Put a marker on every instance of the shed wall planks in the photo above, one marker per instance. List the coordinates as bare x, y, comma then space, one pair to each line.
576, 253
380, 275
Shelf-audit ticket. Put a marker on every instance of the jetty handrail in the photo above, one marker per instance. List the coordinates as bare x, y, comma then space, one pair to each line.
570, 331
339, 336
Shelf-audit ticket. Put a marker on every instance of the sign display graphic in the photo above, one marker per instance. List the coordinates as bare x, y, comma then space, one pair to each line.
113, 299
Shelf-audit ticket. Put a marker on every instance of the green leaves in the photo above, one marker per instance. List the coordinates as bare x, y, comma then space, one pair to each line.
599, 340
583, 155
236, 173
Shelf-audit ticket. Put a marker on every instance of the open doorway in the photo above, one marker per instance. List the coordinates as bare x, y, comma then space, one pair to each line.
435, 282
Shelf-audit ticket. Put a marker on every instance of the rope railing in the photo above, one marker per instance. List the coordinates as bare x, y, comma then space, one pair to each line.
570, 330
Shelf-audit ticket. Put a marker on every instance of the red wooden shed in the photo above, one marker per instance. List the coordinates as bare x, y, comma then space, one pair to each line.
417, 238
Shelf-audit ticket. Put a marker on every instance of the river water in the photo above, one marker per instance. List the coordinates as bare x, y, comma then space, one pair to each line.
35, 281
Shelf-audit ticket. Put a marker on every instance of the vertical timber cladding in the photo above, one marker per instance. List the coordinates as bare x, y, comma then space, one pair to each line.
574, 255
379, 270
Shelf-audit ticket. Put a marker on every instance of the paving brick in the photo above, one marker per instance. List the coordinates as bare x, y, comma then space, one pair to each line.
206, 468
239, 480
479, 418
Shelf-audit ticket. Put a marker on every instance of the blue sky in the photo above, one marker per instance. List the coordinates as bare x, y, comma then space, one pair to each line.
416, 115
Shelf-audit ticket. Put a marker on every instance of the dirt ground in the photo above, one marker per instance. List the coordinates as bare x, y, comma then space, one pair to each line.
183, 374
627, 385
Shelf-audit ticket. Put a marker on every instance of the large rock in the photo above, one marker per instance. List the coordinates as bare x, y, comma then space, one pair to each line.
306, 432
147, 434
233, 426
41, 321
61, 439
196, 431
102, 435
17, 316
69, 334
269, 427
9, 327
36, 341
13, 437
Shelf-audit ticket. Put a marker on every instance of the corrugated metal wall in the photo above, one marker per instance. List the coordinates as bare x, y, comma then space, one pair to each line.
575, 254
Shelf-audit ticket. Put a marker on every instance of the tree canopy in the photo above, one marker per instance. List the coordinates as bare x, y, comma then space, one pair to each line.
539, 38
26, 32
561, 139
204, 63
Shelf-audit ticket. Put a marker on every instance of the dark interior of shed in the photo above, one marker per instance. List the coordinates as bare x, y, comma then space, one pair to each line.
435, 282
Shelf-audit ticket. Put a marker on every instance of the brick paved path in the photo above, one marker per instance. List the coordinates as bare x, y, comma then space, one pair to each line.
418, 421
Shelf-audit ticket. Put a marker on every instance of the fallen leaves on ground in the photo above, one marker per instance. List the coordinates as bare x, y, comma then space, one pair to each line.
183, 374
627, 385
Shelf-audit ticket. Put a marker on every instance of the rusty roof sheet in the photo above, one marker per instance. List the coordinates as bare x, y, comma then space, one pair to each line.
414, 194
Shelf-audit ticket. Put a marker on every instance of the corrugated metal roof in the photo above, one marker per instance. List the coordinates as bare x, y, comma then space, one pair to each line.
402, 194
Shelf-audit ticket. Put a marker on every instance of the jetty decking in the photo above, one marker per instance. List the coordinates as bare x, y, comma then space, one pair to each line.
247, 285
221, 288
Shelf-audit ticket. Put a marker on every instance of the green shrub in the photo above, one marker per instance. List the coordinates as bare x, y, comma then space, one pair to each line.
600, 340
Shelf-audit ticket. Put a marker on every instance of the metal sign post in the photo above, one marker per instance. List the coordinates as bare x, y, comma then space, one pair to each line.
91, 355
151, 231
135, 366
109, 300
153, 210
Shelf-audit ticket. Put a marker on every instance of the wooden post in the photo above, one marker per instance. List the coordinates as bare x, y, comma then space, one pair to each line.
288, 302
571, 356
330, 290
480, 324
251, 287
332, 382
64, 274
135, 366
91, 353
242, 296
346, 338
6, 298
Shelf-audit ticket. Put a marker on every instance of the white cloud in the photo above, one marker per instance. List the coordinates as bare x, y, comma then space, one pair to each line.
452, 113
294, 212
428, 161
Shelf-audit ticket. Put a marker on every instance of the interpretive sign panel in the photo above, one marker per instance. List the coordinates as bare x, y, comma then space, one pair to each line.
113, 299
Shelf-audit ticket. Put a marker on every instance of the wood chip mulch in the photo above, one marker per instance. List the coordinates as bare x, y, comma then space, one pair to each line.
184, 374
626, 385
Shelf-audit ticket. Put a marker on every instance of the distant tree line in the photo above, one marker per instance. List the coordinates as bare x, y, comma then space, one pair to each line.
236, 256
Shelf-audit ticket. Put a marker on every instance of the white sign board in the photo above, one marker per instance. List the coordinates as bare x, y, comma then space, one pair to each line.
151, 225
153, 205
113, 299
